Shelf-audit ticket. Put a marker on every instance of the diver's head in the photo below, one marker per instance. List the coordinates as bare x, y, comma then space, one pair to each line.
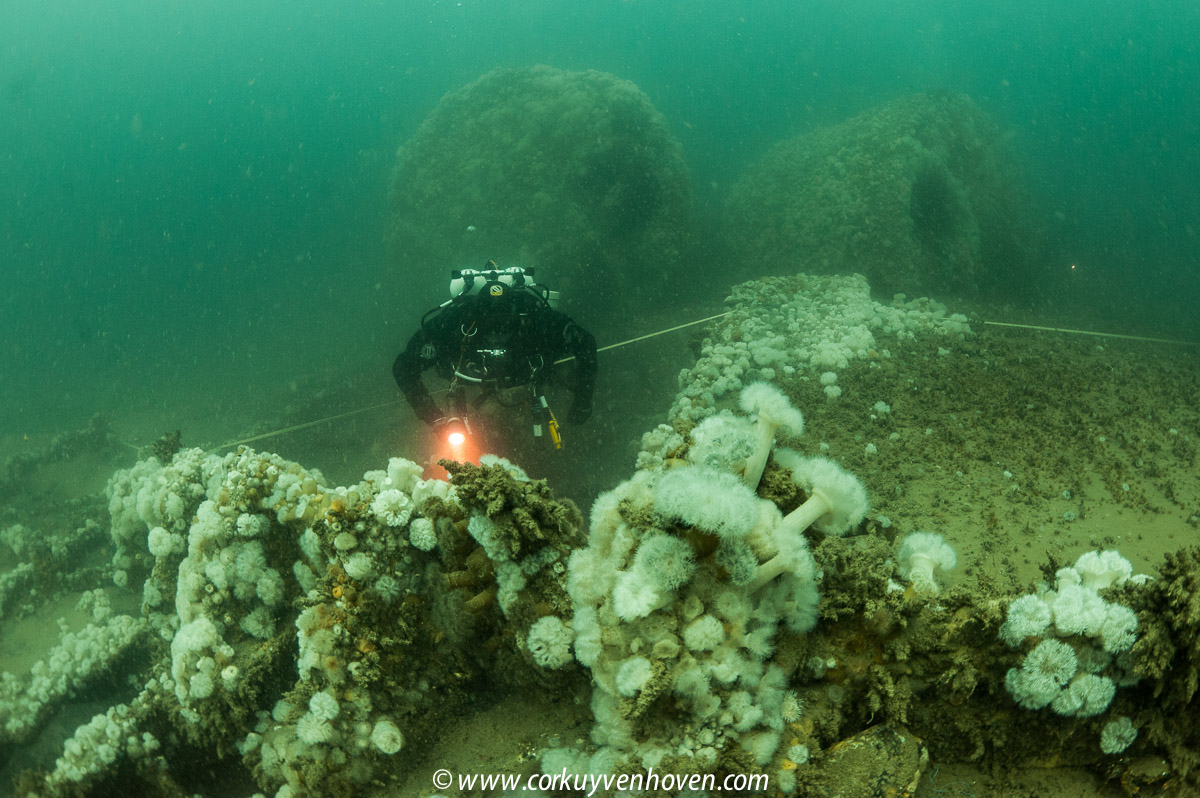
494, 299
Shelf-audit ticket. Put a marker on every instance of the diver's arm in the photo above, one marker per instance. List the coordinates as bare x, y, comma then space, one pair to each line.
582, 344
407, 371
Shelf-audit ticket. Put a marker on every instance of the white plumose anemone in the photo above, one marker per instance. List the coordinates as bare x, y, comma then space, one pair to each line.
837, 499
1028, 616
1100, 569
549, 642
392, 507
709, 500
774, 411
386, 737
924, 556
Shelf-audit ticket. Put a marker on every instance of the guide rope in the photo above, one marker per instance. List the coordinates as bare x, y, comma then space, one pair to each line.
308, 424
657, 333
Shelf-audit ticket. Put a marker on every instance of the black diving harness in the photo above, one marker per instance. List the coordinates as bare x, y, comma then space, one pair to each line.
493, 279
490, 385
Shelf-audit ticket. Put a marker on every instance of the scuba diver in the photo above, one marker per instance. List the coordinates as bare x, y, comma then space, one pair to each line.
500, 334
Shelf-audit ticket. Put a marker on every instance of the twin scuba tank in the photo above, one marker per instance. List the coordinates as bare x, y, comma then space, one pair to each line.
493, 281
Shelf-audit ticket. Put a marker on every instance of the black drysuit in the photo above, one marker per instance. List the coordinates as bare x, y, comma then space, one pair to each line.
514, 345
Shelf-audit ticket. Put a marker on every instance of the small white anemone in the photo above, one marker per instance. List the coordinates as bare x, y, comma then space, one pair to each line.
636, 596
323, 705
923, 557
1078, 610
392, 507
422, 535
1043, 674
313, 730
549, 642
1086, 696
665, 560
1117, 735
1119, 631
386, 737
633, 675
1028, 616
359, 566
1101, 569
704, 634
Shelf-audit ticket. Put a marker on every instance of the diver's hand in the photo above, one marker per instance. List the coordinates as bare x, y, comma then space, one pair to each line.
455, 429
579, 412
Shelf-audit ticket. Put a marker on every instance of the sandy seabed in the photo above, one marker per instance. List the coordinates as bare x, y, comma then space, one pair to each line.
1024, 449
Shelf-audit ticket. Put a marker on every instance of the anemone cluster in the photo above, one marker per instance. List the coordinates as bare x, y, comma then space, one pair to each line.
299, 632
686, 584
802, 327
1077, 644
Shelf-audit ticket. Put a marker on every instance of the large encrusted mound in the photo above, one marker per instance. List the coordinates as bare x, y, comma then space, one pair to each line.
917, 193
575, 173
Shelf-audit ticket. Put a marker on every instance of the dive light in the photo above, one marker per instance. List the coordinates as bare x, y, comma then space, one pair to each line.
455, 431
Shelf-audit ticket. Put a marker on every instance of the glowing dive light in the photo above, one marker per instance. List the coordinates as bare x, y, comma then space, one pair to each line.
457, 430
